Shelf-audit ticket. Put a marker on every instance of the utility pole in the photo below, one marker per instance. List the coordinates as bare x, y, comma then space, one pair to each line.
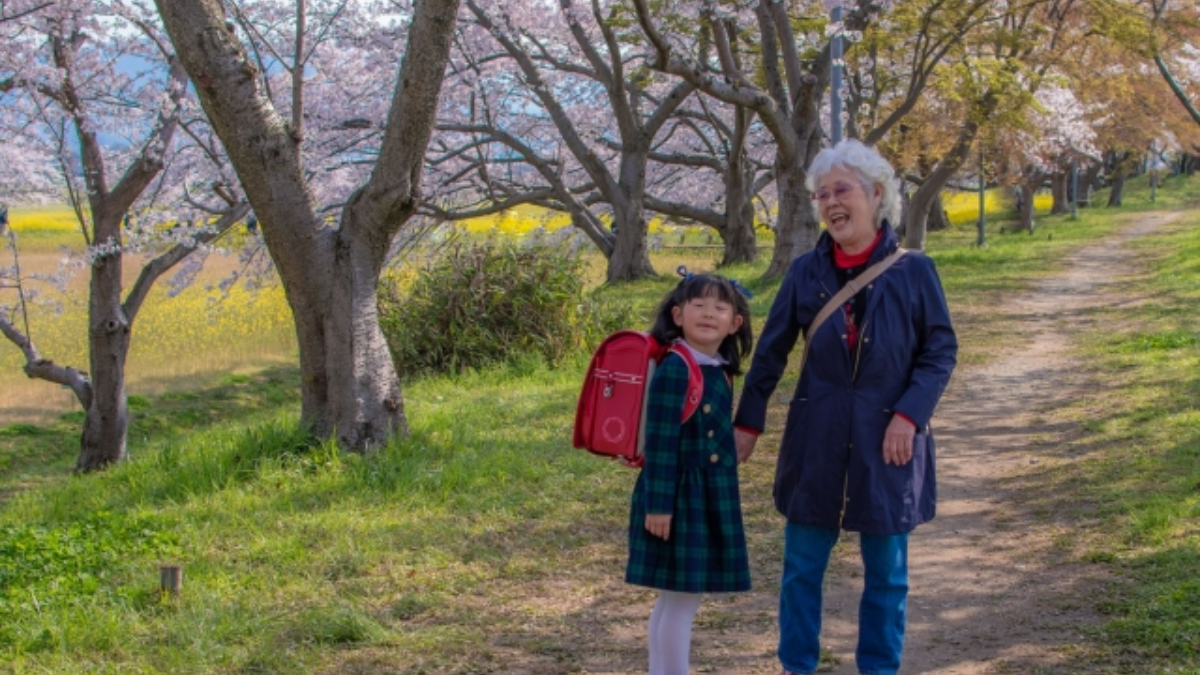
981, 239
835, 88
1075, 188
1150, 166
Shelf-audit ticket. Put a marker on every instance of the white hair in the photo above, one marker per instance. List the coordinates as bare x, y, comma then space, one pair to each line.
852, 155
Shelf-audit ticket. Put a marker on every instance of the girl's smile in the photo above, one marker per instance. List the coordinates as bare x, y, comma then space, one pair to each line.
706, 322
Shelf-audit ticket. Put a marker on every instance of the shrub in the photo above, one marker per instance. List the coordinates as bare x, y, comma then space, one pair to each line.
480, 303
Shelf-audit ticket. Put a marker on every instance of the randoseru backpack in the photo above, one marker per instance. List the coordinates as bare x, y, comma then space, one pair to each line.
610, 419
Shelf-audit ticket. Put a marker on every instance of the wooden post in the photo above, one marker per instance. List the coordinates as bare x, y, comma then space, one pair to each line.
172, 579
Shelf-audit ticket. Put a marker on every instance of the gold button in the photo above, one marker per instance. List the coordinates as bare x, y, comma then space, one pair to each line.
707, 408
710, 433
715, 458
822, 295
870, 286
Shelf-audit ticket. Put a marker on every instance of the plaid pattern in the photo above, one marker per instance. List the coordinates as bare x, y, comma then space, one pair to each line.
707, 549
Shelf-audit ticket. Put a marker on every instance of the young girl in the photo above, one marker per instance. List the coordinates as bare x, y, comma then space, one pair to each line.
685, 529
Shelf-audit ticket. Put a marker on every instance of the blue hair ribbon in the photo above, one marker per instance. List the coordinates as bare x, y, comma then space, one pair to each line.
682, 271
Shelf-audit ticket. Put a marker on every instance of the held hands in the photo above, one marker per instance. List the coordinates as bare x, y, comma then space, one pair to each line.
898, 441
659, 525
744, 443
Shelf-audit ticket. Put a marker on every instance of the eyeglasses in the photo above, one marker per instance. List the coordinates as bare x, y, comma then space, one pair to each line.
839, 192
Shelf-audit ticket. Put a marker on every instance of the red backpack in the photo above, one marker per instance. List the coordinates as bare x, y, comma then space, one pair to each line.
610, 419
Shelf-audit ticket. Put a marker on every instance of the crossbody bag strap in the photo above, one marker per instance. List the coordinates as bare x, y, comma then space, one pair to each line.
840, 298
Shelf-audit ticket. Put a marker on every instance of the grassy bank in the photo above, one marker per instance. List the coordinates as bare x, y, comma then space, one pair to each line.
484, 543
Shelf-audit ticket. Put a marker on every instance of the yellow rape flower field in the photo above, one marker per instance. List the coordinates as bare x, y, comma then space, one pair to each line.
179, 342
187, 341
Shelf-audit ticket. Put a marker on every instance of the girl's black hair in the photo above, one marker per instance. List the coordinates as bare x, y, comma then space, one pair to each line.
734, 346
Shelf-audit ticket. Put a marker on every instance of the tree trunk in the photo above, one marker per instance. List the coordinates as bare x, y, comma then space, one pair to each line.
106, 419
1118, 187
365, 405
923, 199
738, 234
938, 218
1058, 189
1025, 213
1090, 183
798, 226
631, 253
348, 383
946, 168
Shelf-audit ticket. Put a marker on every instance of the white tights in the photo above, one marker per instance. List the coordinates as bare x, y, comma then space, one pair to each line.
671, 632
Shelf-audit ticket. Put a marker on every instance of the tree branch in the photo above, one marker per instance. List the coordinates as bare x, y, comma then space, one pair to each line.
150, 162
158, 266
44, 369
1176, 89
392, 193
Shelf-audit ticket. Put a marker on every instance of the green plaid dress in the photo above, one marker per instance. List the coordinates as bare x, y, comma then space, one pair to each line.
690, 473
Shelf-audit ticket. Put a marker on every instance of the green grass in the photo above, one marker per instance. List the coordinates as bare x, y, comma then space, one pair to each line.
483, 542
1135, 467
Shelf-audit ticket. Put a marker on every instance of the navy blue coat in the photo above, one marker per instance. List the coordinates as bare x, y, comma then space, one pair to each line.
830, 471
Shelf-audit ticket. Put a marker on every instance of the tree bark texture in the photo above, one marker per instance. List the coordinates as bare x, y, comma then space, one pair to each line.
798, 225
330, 276
1028, 188
1119, 167
938, 218
738, 236
922, 200
106, 420
1058, 189
1117, 190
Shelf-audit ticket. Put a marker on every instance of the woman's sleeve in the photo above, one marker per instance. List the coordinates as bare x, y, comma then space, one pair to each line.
938, 351
664, 424
775, 344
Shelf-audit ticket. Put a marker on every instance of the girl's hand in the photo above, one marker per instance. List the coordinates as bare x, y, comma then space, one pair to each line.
659, 525
898, 441
744, 443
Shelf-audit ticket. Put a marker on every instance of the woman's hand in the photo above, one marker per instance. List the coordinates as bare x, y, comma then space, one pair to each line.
659, 525
744, 443
898, 441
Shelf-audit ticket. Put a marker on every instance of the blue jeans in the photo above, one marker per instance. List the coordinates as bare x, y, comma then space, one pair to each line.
880, 612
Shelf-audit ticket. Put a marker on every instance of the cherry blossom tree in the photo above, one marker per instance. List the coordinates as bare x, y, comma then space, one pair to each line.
991, 85
796, 68
713, 162
898, 60
1060, 138
583, 104
101, 98
295, 91
1164, 32
500, 146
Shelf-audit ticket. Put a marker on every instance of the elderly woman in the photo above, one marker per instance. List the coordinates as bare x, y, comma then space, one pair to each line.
857, 453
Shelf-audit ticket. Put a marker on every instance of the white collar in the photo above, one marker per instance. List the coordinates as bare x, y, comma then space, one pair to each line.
702, 358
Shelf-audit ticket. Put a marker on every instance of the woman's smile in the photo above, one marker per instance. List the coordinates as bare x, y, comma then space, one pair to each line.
848, 208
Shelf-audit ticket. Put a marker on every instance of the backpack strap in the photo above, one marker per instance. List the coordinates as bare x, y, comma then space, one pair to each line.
840, 298
695, 388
